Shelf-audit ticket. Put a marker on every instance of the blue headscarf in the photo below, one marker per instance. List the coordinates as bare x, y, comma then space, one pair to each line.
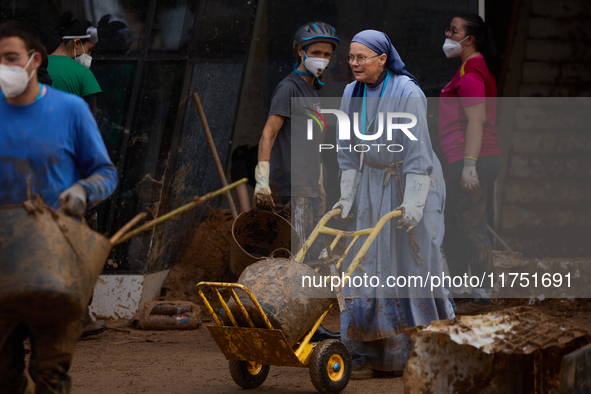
380, 43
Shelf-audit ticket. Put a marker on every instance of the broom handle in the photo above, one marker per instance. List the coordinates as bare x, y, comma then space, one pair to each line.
214, 152
196, 201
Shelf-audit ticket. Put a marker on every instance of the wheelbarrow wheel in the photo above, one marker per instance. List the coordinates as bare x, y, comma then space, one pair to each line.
248, 375
330, 366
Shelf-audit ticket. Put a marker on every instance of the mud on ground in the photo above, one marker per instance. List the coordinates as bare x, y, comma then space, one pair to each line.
129, 361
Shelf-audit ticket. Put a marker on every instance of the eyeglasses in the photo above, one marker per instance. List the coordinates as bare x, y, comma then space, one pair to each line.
360, 59
11, 59
449, 31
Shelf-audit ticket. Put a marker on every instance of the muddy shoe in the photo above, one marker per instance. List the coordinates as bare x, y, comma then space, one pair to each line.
473, 306
92, 327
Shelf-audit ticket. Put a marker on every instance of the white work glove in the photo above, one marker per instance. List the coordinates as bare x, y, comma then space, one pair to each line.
349, 184
262, 190
73, 200
470, 182
415, 195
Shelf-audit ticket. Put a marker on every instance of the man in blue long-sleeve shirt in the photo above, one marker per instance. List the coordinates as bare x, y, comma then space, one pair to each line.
51, 137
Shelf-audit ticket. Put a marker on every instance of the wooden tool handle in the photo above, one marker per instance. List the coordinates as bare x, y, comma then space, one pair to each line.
127, 227
196, 201
216, 158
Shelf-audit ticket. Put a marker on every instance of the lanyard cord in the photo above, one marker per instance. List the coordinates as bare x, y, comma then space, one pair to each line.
40, 92
364, 106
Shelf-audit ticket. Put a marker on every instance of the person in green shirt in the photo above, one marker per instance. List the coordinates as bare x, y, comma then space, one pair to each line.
68, 67
69, 64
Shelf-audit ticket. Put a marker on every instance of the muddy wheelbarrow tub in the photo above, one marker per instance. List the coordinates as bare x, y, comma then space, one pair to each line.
271, 314
49, 263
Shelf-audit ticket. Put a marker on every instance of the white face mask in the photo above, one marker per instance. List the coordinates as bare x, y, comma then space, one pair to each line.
453, 48
315, 65
84, 59
15, 79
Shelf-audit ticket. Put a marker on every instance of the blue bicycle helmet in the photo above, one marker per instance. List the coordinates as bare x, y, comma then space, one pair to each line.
312, 32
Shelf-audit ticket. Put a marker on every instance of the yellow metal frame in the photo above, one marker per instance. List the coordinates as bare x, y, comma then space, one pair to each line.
231, 286
304, 350
321, 228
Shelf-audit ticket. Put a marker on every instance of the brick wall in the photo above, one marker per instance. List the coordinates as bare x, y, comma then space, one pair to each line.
544, 203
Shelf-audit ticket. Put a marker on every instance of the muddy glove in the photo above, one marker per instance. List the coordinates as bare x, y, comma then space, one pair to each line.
262, 190
470, 182
349, 184
73, 200
415, 195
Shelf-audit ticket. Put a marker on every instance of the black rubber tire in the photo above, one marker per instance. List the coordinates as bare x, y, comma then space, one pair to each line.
319, 363
243, 377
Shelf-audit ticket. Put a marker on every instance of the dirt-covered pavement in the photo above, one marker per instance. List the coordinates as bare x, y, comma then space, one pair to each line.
179, 362
126, 360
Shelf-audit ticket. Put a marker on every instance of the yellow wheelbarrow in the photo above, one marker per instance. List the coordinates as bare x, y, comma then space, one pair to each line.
267, 323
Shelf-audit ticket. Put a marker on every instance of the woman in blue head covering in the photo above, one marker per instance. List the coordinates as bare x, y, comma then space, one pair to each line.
383, 168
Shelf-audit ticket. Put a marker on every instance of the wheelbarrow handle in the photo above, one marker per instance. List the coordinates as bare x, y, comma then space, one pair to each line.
196, 201
312, 237
321, 228
371, 237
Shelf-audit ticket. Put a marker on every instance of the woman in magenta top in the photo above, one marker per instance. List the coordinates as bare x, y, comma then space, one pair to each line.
468, 138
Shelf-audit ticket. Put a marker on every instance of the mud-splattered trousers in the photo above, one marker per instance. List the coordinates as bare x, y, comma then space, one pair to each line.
51, 356
467, 247
373, 325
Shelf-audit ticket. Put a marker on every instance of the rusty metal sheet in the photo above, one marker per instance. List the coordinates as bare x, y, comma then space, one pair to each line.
260, 345
520, 330
510, 351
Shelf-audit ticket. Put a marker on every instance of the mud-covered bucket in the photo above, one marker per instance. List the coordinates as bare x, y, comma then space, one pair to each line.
256, 234
289, 302
49, 263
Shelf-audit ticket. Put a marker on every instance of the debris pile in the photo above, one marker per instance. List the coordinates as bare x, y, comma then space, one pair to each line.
518, 347
168, 315
206, 259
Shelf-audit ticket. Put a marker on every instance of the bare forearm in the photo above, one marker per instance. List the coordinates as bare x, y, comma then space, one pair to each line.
473, 139
476, 115
265, 147
272, 127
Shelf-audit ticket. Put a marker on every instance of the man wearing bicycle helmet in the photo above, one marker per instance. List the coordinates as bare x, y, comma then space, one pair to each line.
276, 181
294, 184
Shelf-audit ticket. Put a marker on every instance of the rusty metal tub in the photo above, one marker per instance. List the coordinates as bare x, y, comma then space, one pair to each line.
258, 233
